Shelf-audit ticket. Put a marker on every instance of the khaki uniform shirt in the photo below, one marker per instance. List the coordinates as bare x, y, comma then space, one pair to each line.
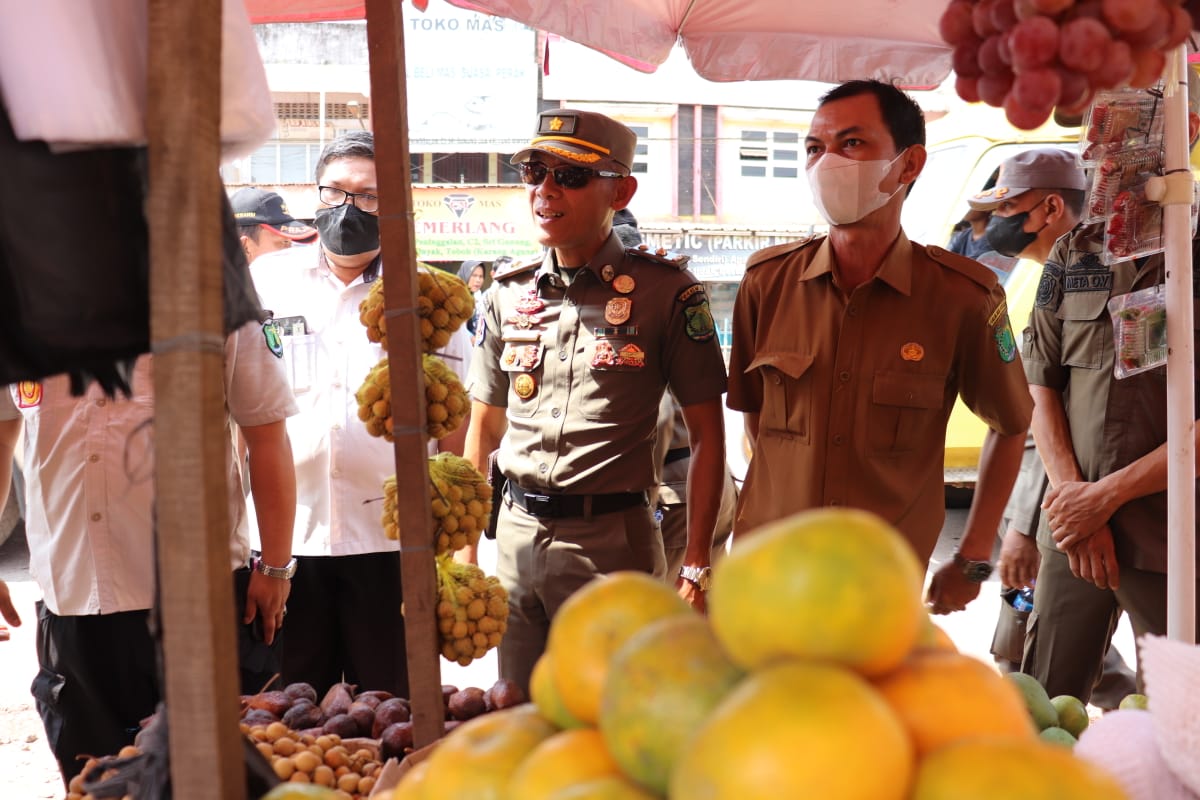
1069, 346
853, 391
582, 367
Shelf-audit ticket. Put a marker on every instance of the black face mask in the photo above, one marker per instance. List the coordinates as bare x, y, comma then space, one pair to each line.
346, 231
1007, 235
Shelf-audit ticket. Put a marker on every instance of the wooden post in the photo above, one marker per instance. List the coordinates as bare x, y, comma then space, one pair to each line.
191, 505
389, 103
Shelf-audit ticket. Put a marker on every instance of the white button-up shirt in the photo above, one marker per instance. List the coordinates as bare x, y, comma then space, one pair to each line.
340, 468
89, 477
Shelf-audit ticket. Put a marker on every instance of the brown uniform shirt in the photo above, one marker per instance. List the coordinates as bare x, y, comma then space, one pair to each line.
1069, 346
582, 367
853, 392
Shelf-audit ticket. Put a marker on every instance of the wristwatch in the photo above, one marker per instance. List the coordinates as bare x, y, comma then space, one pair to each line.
973, 571
284, 573
700, 577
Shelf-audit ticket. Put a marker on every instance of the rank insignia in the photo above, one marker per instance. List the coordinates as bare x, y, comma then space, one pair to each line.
273, 337
631, 356
29, 394
617, 310
912, 351
523, 321
615, 331
525, 385
698, 322
624, 284
530, 303
607, 272
1006, 344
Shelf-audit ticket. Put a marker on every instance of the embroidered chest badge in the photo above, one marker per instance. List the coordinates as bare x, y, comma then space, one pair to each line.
631, 356
912, 351
617, 310
1006, 344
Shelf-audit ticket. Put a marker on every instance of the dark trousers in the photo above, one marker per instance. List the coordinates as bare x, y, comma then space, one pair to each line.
344, 623
98, 677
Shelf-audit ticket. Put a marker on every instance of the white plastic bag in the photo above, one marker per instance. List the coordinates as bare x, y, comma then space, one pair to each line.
73, 74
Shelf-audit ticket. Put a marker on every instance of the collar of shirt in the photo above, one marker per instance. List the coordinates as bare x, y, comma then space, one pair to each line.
611, 252
895, 270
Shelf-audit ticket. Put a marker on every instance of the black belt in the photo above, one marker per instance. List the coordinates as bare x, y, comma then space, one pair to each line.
573, 505
677, 454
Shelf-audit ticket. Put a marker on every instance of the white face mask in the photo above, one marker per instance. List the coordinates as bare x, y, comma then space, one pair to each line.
846, 190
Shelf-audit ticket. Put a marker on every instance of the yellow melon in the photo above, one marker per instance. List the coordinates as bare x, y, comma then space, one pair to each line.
563, 760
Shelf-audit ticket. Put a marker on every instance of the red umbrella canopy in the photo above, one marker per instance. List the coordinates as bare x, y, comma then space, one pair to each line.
726, 40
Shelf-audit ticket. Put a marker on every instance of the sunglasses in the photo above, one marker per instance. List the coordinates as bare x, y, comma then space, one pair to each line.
534, 172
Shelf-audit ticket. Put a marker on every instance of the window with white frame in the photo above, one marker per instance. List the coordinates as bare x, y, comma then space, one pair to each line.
770, 153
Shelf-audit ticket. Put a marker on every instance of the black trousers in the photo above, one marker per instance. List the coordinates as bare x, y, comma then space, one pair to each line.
344, 623
98, 677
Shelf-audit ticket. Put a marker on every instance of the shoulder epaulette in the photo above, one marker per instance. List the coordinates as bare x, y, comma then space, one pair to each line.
774, 251
967, 266
659, 256
517, 268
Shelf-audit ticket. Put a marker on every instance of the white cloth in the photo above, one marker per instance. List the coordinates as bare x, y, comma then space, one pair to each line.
89, 468
74, 75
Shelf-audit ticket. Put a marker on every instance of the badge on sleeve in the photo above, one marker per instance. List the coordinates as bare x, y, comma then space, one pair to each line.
699, 322
29, 394
1006, 344
274, 337
480, 331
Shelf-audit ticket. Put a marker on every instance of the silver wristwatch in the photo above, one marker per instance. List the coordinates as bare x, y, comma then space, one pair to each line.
284, 573
700, 577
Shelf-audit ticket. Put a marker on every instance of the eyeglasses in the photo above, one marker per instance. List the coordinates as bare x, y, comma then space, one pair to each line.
534, 172
333, 196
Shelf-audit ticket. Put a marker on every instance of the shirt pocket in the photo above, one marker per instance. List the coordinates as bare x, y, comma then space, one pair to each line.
1086, 329
615, 380
906, 410
300, 361
522, 362
787, 402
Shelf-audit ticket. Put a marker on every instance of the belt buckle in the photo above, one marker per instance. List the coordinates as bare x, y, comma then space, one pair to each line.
540, 505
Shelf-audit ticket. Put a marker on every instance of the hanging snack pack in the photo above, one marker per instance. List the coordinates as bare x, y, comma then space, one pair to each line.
1139, 330
1119, 120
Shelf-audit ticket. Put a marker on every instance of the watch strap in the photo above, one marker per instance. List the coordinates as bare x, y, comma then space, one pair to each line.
285, 572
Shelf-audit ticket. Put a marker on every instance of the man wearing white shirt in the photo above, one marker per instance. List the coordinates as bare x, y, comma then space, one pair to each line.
344, 610
89, 522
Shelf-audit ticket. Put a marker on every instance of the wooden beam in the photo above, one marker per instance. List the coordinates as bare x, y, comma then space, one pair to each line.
389, 103
191, 506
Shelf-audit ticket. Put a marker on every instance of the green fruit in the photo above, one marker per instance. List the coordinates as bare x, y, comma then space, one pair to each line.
1037, 702
300, 791
1057, 735
1138, 701
1072, 714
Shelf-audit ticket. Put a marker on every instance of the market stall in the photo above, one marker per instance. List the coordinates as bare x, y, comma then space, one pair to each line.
746, 39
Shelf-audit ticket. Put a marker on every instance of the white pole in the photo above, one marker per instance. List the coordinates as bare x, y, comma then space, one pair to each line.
1181, 466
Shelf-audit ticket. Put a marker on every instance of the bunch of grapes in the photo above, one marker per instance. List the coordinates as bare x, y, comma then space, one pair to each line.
460, 500
446, 400
472, 610
1030, 56
444, 303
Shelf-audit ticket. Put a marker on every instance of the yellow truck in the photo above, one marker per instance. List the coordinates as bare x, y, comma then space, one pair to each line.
965, 147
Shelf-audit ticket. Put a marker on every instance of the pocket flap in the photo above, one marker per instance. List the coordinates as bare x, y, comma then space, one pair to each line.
1083, 306
791, 364
907, 390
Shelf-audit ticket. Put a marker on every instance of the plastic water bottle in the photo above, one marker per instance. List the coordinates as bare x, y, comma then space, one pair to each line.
1023, 600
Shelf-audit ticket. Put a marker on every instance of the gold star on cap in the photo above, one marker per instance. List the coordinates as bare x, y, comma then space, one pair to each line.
556, 124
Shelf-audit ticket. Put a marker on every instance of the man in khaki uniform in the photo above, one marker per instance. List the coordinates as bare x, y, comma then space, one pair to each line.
573, 353
1102, 535
849, 351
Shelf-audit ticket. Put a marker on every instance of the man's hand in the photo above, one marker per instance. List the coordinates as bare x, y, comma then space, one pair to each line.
1094, 559
8, 611
1019, 559
692, 594
266, 597
949, 590
1076, 510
